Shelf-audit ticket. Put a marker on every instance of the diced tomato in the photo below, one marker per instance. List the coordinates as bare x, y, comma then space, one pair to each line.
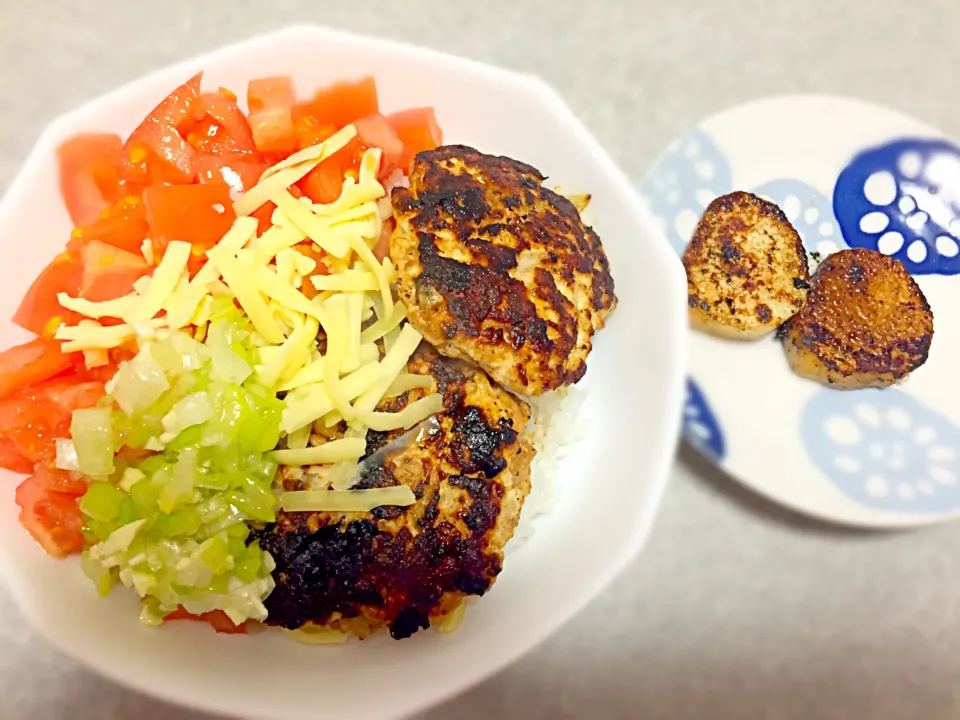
198, 214
418, 130
40, 312
324, 183
89, 179
108, 271
31, 363
216, 618
53, 479
270, 100
308, 249
12, 459
263, 214
375, 131
221, 108
124, 225
382, 248
32, 418
70, 393
311, 132
53, 518
343, 102
241, 172
155, 150
208, 137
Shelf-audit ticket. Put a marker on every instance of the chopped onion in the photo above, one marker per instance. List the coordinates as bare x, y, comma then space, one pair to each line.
93, 441
67, 455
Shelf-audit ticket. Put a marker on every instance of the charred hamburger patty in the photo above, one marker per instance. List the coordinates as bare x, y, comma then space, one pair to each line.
469, 469
495, 268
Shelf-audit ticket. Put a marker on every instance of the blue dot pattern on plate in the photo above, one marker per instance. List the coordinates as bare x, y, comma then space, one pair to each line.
700, 425
903, 199
884, 450
808, 210
686, 178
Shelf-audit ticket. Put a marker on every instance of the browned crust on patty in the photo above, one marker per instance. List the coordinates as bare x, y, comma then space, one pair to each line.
866, 323
495, 268
398, 568
746, 268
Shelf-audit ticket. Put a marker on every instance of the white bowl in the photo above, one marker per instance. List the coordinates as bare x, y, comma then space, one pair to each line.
608, 490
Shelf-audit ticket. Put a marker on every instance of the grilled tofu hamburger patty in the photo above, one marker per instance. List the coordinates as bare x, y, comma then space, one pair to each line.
746, 268
495, 268
400, 568
866, 323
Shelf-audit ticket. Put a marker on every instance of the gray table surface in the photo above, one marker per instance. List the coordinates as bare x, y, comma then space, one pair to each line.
735, 609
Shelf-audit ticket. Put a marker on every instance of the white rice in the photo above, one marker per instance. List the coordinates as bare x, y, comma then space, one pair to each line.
557, 429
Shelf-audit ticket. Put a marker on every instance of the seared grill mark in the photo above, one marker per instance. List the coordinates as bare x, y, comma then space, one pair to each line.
475, 294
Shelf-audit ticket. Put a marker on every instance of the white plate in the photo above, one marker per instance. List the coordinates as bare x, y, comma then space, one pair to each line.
847, 174
609, 487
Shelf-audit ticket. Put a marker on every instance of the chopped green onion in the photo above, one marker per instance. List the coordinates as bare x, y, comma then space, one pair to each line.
102, 501
172, 526
92, 433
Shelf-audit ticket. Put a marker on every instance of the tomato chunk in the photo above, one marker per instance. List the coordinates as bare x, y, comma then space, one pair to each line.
216, 618
374, 131
31, 363
32, 418
270, 100
324, 183
308, 249
343, 102
418, 130
311, 132
12, 459
109, 272
221, 108
53, 518
382, 248
240, 171
53, 479
124, 225
40, 312
89, 179
198, 214
155, 150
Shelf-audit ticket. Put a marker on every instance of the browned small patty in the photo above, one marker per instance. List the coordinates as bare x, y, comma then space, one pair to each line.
401, 568
866, 323
495, 268
746, 268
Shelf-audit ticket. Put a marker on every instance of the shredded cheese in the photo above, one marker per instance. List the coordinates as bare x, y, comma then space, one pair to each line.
310, 402
310, 224
346, 500
392, 365
107, 308
417, 411
236, 277
163, 282
286, 173
331, 452
300, 339
406, 382
384, 324
352, 282
313, 372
